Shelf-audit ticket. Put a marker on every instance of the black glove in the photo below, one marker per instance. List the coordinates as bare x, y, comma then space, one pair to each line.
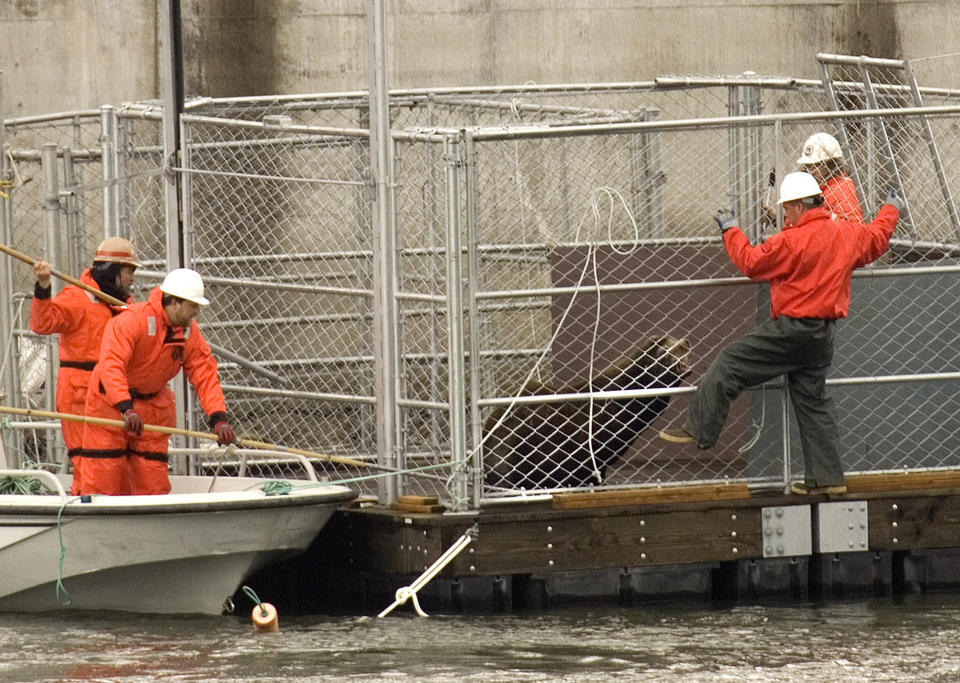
725, 220
132, 423
225, 433
894, 200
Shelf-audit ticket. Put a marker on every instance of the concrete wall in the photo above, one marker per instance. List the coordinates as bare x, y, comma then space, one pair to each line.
66, 54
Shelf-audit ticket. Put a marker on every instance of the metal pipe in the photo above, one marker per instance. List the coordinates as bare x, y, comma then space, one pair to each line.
9, 382
307, 395
51, 239
675, 391
381, 166
76, 244
455, 339
474, 320
532, 132
108, 163
246, 363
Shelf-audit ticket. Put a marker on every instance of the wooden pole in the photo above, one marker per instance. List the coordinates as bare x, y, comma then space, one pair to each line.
209, 436
113, 301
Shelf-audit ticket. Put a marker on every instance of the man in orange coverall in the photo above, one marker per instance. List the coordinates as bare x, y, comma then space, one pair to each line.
823, 159
144, 348
79, 318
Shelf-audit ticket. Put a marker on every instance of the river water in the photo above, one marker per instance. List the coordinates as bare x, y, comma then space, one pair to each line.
909, 639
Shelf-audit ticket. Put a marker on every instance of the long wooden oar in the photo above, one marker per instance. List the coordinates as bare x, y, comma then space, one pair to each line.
209, 436
113, 301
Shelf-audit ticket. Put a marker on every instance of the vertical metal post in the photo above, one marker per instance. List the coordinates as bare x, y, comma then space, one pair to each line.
185, 182
185, 398
51, 209
779, 163
457, 379
647, 179
76, 256
473, 321
785, 416
8, 369
171, 79
172, 86
108, 161
51, 238
121, 189
385, 275
754, 179
735, 176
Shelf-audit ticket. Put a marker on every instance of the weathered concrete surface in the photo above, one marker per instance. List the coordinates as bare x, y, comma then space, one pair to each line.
68, 54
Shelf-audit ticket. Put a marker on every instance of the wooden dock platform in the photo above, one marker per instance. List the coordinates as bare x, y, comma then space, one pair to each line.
890, 533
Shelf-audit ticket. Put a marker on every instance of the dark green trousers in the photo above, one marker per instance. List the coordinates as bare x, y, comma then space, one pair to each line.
800, 349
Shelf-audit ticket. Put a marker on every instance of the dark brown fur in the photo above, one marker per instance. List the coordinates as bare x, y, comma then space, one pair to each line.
547, 445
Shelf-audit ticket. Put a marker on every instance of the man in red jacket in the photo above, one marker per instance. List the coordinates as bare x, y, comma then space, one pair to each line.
79, 318
144, 348
808, 265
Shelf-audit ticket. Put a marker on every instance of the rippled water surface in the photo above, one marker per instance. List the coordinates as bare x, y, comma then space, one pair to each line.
917, 638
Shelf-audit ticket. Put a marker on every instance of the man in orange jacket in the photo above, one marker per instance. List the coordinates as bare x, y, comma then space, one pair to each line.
143, 348
79, 317
808, 265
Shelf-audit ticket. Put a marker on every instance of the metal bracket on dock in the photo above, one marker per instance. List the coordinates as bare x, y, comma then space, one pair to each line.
842, 527
410, 592
787, 531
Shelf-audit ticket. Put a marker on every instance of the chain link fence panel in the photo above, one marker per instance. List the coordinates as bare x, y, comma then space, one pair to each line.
576, 223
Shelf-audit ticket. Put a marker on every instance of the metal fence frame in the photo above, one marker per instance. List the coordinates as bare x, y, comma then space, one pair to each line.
436, 440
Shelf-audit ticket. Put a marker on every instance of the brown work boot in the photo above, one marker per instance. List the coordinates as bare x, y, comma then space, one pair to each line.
677, 435
801, 489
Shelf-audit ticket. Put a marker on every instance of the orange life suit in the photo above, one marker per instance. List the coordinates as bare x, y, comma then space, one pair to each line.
840, 197
139, 354
79, 317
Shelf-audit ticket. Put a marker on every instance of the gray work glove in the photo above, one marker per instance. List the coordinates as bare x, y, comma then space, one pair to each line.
894, 200
725, 220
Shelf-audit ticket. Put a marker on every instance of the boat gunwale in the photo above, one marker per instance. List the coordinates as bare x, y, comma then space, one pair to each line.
182, 503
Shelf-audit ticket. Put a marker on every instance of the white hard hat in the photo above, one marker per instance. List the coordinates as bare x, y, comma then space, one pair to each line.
116, 250
820, 147
798, 185
184, 283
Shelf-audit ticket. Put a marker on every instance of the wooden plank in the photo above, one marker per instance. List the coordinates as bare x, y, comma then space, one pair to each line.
417, 500
412, 507
585, 542
902, 481
650, 496
912, 523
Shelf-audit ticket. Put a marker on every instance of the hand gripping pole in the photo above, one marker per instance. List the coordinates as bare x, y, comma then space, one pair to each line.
410, 592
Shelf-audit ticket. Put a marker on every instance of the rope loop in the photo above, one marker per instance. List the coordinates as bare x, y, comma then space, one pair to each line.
256, 599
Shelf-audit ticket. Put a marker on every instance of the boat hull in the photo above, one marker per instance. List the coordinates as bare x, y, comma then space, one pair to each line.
181, 553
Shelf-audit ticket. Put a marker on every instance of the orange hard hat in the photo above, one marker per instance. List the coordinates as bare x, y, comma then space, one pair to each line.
116, 250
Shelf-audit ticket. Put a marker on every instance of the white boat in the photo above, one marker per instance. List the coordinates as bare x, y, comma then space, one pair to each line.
185, 552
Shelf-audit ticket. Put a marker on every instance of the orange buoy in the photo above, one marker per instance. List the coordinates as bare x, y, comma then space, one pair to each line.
265, 618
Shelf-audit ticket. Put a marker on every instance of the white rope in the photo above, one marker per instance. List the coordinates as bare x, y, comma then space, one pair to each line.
591, 370
594, 210
410, 592
758, 427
